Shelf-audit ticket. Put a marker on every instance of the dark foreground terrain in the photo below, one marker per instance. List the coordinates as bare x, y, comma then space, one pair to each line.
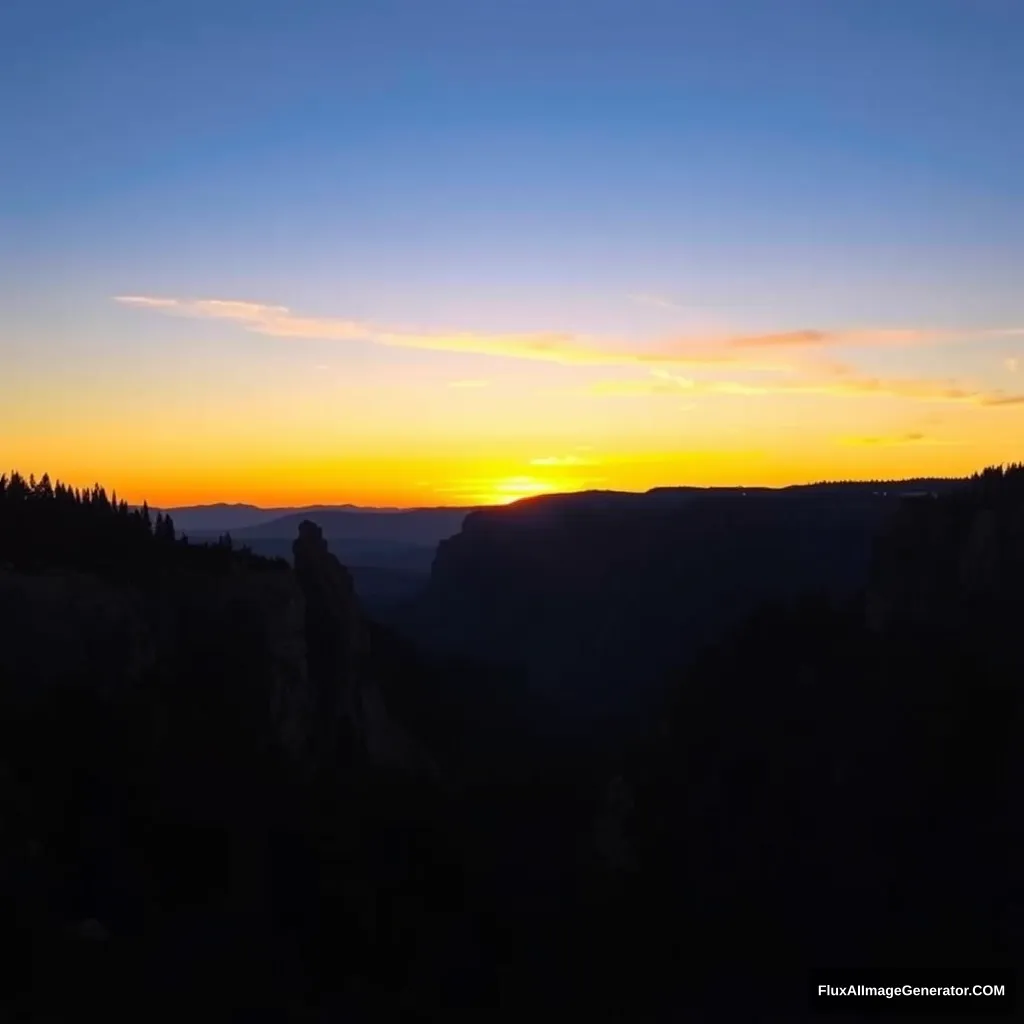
228, 792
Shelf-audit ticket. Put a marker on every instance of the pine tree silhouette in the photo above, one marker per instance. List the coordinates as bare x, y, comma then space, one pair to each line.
50, 524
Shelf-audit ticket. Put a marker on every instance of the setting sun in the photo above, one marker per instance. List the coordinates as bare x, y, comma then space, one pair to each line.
504, 492
415, 298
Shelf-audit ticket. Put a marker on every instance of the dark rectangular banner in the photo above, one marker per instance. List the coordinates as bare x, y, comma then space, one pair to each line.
934, 993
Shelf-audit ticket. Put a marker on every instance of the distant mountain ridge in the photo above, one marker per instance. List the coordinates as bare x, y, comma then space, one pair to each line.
597, 595
390, 550
234, 516
744, 718
221, 515
426, 526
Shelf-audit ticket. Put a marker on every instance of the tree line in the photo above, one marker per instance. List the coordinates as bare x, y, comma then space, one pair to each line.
46, 524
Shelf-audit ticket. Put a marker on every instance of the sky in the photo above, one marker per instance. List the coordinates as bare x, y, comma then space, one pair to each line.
460, 251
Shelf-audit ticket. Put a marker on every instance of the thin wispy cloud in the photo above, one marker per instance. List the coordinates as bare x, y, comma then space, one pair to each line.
146, 302
658, 301
809, 338
895, 440
776, 352
911, 438
280, 322
814, 338
840, 382
554, 347
1012, 364
1004, 400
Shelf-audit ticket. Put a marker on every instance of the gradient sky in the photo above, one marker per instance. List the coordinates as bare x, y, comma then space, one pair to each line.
451, 251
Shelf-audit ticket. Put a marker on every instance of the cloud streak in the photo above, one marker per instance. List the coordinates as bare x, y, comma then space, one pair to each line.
658, 301
780, 352
896, 440
833, 381
1004, 400
809, 338
281, 322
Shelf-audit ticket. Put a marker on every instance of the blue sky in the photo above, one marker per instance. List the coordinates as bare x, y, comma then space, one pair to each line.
631, 170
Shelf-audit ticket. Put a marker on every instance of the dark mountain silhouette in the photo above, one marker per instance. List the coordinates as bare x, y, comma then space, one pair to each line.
222, 517
423, 526
386, 575
225, 785
596, 595
187, 732
840, 782
389, 552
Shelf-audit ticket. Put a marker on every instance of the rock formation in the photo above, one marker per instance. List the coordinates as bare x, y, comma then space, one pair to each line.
287, 651
347, 708
199, 768
596, 599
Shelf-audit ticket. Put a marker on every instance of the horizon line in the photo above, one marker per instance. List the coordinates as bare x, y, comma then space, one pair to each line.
474, 506
285, 509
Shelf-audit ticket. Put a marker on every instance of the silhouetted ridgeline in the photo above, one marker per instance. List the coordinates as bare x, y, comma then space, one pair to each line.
841, 784
417, 526
948, 561
387, 551
596, 595
224, 785
221, 789
198, 764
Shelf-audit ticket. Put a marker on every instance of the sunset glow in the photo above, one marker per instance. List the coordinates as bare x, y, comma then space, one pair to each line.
413, 277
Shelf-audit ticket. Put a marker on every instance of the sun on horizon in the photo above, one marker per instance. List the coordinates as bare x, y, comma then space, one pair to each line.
235, 267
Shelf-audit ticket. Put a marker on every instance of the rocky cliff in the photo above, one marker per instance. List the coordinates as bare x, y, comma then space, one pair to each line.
596, 597
202, 779
345, 703
290, 648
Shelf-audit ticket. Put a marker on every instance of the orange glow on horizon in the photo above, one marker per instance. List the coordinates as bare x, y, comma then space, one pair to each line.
269, 428
423, 482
